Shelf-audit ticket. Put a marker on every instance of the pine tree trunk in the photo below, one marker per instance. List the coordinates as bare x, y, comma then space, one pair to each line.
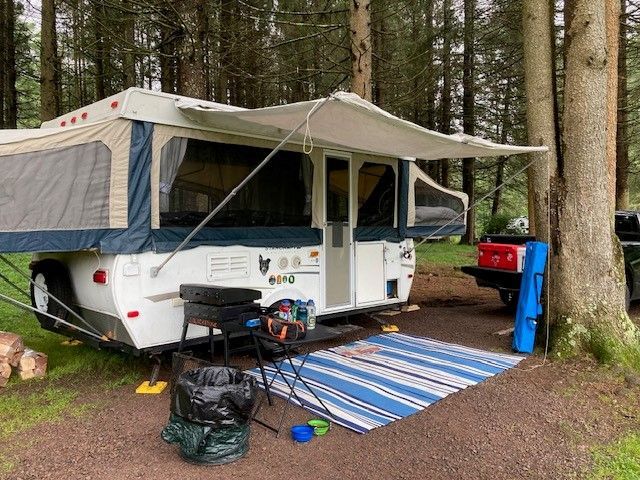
48, 54
622, 141
430, 73
11, 96
191, 72
167, 49
379, 47
541, 106
360, 24
445, 113
224, 52
468, 115
588, 289
612, 18
3, 57
128, 47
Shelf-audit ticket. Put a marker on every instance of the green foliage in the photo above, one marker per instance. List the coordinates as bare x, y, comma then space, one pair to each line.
496, 224
619, 461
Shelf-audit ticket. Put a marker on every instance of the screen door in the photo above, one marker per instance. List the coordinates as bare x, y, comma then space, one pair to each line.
337, 233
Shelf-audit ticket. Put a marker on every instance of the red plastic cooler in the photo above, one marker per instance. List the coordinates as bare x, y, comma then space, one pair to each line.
501, 256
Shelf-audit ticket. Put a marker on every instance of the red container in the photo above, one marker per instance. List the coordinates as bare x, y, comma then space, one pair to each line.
501, 256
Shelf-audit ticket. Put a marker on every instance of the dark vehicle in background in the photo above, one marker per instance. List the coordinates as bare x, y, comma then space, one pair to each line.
501, 260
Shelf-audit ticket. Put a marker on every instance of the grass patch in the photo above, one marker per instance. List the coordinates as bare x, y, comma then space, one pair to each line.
445, 254
619, 461
20, 412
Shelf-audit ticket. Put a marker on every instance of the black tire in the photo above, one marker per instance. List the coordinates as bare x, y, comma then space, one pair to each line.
56, 280
509, 298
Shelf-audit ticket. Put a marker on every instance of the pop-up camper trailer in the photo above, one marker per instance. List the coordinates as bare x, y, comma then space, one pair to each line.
103, 196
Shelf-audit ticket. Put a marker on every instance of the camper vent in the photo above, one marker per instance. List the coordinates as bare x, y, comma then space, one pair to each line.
234, 265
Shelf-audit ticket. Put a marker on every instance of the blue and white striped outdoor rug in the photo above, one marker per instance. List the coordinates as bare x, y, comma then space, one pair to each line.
403, 375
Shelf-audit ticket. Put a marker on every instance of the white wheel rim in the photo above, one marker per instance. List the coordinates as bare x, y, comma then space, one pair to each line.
40, 296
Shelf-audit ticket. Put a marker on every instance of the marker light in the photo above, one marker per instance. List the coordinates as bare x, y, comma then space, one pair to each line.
84, 115
133, 314
74, 119
101, 277
63, 124
114, 104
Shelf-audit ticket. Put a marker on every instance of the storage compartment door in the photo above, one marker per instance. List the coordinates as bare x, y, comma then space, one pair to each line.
370, 281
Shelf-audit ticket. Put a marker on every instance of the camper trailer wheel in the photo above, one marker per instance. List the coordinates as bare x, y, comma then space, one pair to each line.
53, 278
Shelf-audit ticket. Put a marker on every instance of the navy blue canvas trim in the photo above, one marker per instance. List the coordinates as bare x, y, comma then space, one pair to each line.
136, 238
403, 197
167, 239
418, 231
370, 234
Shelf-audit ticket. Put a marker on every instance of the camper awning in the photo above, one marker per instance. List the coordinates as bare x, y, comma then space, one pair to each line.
350, 123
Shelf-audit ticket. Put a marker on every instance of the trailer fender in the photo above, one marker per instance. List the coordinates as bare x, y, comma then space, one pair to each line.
283, 294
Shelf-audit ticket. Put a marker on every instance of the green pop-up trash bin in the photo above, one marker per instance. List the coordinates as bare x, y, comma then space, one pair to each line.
210, 413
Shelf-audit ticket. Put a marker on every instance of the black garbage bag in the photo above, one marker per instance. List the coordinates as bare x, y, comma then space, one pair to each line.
204, 444
214, 396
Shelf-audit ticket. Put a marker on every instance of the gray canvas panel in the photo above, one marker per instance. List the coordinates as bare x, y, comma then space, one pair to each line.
58, 189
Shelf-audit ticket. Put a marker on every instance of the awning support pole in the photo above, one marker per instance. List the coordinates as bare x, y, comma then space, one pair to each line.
155, 270
53, 297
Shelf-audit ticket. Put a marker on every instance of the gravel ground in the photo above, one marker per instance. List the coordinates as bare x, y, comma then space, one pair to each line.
534, 421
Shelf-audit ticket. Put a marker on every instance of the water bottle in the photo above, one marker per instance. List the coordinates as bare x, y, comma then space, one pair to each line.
302, 314
295, 309
311, 315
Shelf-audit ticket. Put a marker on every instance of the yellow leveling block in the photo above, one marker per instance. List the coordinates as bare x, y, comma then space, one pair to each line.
156, 389
388, 328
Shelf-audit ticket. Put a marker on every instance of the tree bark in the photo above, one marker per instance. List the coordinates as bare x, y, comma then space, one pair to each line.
49, 105
430, 72
360, 24
468, 115
612, 18
379, 46
622, 141
128, 45
224, 52
587, 295
445, 113
3, 57
191, 71
11, 96
542, 118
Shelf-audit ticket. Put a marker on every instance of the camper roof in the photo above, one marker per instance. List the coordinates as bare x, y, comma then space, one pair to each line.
344, 122
135, 104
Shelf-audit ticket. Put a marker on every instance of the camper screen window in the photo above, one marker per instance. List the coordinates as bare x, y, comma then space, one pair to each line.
195, 176
436, 207
376, 194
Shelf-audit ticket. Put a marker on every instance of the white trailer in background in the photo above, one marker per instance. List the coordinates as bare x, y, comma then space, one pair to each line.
105, 194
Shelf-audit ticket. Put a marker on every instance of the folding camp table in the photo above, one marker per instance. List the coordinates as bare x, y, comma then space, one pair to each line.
318, 334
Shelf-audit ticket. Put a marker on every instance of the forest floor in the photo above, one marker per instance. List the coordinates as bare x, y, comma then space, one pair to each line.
539, 420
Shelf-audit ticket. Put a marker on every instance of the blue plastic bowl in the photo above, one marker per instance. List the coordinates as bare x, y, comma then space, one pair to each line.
301, 433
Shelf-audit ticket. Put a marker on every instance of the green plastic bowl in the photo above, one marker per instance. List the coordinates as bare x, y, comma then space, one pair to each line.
320, 426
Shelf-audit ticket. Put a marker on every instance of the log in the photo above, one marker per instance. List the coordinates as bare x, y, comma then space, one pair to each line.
32, 364
10, 345
5, 373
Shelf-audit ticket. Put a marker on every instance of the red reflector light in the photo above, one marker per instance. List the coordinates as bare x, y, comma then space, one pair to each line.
410, 275
63, 124
84, 115
74, 119
114, 104
100, 276
133, 314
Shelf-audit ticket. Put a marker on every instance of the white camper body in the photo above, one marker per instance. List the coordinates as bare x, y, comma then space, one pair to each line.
330, 218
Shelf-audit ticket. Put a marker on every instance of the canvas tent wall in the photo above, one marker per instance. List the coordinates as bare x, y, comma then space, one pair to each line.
99, 185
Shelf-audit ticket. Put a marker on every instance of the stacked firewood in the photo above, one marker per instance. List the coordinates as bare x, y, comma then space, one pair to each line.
14, 355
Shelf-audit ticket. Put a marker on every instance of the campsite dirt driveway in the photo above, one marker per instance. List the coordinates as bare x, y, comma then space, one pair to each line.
534, 421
